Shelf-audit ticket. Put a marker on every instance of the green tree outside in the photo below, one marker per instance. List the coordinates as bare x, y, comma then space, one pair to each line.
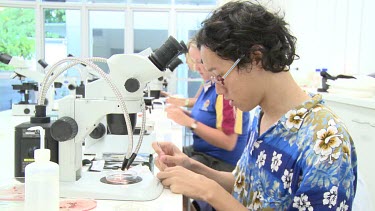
17, 31
55, 16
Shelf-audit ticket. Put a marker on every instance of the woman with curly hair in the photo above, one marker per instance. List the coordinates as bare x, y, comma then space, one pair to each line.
300, 155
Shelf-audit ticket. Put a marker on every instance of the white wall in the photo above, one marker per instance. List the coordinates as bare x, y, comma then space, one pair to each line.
334, 34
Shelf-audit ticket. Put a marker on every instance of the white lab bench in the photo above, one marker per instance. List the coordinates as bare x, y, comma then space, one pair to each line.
166, 201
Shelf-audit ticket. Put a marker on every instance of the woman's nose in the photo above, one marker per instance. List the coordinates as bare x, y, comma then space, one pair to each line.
199, 67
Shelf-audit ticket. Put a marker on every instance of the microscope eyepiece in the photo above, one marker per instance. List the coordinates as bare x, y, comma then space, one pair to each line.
43, 63
174, 63
5, 58
185, 50
163, 56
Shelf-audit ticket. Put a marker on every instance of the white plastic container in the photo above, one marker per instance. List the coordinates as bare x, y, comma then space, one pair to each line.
42, 180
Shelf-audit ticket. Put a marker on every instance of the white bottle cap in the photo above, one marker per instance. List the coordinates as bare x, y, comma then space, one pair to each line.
41, 154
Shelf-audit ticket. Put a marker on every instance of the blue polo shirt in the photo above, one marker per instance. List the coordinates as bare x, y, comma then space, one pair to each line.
214, 111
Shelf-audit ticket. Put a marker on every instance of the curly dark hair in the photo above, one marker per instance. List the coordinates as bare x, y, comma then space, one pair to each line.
238, 29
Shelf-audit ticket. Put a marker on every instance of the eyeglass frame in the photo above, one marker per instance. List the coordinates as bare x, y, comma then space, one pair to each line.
219, 78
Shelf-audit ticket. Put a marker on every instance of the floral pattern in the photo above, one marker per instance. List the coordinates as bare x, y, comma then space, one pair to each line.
302, 203
295, 117
327, 141
305, 161
276, 161
330, 198
343, 206
287, 179
261, 159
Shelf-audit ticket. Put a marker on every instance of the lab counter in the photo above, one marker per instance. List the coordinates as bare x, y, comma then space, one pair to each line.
166, 201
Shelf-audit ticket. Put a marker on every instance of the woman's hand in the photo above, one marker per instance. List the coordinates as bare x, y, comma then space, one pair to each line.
183, 181
169, 155
178, 115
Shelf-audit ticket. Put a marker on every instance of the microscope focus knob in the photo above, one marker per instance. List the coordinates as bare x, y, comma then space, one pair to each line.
64, 129
132, 85
99, 131
71, 87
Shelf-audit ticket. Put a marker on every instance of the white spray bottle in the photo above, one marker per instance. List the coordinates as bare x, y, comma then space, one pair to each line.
42, 179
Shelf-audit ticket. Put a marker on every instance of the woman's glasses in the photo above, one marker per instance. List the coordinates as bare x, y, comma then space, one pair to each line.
220, 79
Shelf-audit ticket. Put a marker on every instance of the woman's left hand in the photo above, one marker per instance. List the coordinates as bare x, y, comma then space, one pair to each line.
178, 115
183, 181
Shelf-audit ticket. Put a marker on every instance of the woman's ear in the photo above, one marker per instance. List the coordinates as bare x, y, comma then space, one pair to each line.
256, 53
256, 56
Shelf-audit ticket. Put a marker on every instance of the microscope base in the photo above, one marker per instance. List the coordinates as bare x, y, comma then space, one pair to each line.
90, 186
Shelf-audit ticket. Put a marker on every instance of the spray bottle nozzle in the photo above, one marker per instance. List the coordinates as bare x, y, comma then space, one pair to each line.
41, 154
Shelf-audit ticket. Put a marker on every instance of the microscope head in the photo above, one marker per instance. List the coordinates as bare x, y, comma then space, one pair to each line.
14, 61
157, 85
131, 72
170, 50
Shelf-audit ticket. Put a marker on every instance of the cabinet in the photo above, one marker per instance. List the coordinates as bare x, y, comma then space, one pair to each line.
359, 117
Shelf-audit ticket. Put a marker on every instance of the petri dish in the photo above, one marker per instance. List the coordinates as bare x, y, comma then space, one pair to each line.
122, 177
14, 192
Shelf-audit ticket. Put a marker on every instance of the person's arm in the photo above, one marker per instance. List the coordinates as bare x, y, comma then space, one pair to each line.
186, 176
339, 164
189, 102
229, 125
222, 200
186, 102
169, 156
183, 102
164, 94
212, 135
198, 91
224, 179
198, 186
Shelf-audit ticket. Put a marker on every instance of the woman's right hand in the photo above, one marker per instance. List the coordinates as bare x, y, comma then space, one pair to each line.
169, 155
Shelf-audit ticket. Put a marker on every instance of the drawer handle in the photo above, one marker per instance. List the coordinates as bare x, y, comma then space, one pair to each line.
363, 122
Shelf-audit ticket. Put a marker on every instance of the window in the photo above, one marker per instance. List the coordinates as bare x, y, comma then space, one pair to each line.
150, 1
188, 24
61, 0
147, 33
17, 29
107, 1
97, 28
196, 2
106, 34
62, 32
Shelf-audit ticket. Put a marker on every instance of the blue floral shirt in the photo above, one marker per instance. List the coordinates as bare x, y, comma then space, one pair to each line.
305, 161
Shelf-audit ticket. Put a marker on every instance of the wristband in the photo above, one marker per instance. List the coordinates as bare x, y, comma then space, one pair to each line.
194, 125
187, 102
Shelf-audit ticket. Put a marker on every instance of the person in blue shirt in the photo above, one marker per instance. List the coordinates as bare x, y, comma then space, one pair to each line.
300, 155
219, 130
